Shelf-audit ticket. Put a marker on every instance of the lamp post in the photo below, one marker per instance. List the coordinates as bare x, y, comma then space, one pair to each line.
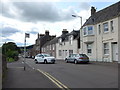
80, 29
26, 36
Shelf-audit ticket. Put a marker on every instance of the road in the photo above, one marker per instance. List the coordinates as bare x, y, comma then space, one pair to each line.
103, 75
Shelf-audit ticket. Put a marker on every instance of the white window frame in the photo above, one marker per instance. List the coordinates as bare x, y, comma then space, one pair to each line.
60, 41
90, 30
53, 46
87, 31
89, 48
106, 48
60, 52
70, 52
105, 27
71, 39
50, 47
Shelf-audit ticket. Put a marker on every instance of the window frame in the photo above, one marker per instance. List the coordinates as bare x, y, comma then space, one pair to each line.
71, 39
112, 26
60, 52
106, 27
87, 31
89, 48
106, 48
99, 29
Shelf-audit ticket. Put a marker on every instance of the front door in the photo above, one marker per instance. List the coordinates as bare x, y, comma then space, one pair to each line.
115, 51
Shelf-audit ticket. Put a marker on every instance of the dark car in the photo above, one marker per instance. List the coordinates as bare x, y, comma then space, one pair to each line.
77, 58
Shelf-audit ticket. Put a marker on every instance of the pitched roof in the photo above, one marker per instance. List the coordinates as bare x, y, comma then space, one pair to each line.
75, 33
53, 41
104, 14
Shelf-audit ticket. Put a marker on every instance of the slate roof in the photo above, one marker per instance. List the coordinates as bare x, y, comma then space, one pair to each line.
105, 14
53, 41
75, 33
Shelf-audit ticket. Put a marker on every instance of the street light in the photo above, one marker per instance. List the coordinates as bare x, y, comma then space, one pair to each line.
80, 29
27, 35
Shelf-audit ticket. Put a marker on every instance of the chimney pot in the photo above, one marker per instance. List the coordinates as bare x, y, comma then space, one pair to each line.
64, 31
47, 32
93, 10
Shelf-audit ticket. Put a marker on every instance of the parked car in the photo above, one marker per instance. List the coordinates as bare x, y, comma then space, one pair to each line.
44, 58
77, 58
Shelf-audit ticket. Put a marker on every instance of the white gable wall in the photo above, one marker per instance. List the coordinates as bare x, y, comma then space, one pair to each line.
66, 48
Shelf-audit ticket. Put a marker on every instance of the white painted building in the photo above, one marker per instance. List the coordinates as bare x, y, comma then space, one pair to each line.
68, 43
100, 34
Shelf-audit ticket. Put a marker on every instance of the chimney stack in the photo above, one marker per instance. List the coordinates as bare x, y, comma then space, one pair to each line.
38, 35
41, 35
93, 10
64, 31
46, 32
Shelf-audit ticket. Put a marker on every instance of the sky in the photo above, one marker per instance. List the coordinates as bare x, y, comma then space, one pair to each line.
18, 17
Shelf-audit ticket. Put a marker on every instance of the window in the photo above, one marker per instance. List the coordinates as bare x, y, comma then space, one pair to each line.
99, 29
89, 49
84, 31
111, 26
70, 52
105, 27
60, 53
90, 30
60, 41
106, 48
71, 39
53, 46
50, 47
65, 52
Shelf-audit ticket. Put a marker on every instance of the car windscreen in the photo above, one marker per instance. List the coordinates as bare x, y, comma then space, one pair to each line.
83, 55
46, 55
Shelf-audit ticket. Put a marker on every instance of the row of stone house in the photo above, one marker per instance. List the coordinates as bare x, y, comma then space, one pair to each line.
100, 34
98, 37
62, 46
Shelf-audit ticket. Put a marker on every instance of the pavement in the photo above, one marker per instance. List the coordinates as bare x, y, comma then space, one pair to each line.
17, 77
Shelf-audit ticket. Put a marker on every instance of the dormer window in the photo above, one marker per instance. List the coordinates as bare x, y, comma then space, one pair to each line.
60, 41
71, 39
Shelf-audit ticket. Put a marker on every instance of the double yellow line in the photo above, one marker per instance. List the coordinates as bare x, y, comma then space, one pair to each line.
54, 80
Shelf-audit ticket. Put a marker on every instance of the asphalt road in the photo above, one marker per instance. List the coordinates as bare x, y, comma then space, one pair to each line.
17, 78
93, 75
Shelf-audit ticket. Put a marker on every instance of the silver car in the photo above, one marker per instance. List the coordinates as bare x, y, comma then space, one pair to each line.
77, 58
44, 58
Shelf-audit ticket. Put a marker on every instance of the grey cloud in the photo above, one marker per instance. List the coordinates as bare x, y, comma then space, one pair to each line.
7, 40
39, 11
84, 6
5, 9
33, 32
7, 31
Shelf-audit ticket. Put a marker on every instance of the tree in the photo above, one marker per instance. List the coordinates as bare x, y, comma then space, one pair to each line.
10, 50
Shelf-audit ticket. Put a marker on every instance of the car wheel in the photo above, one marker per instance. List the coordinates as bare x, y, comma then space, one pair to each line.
53, 62
75, 61
36, 61
45, 61
66, 61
